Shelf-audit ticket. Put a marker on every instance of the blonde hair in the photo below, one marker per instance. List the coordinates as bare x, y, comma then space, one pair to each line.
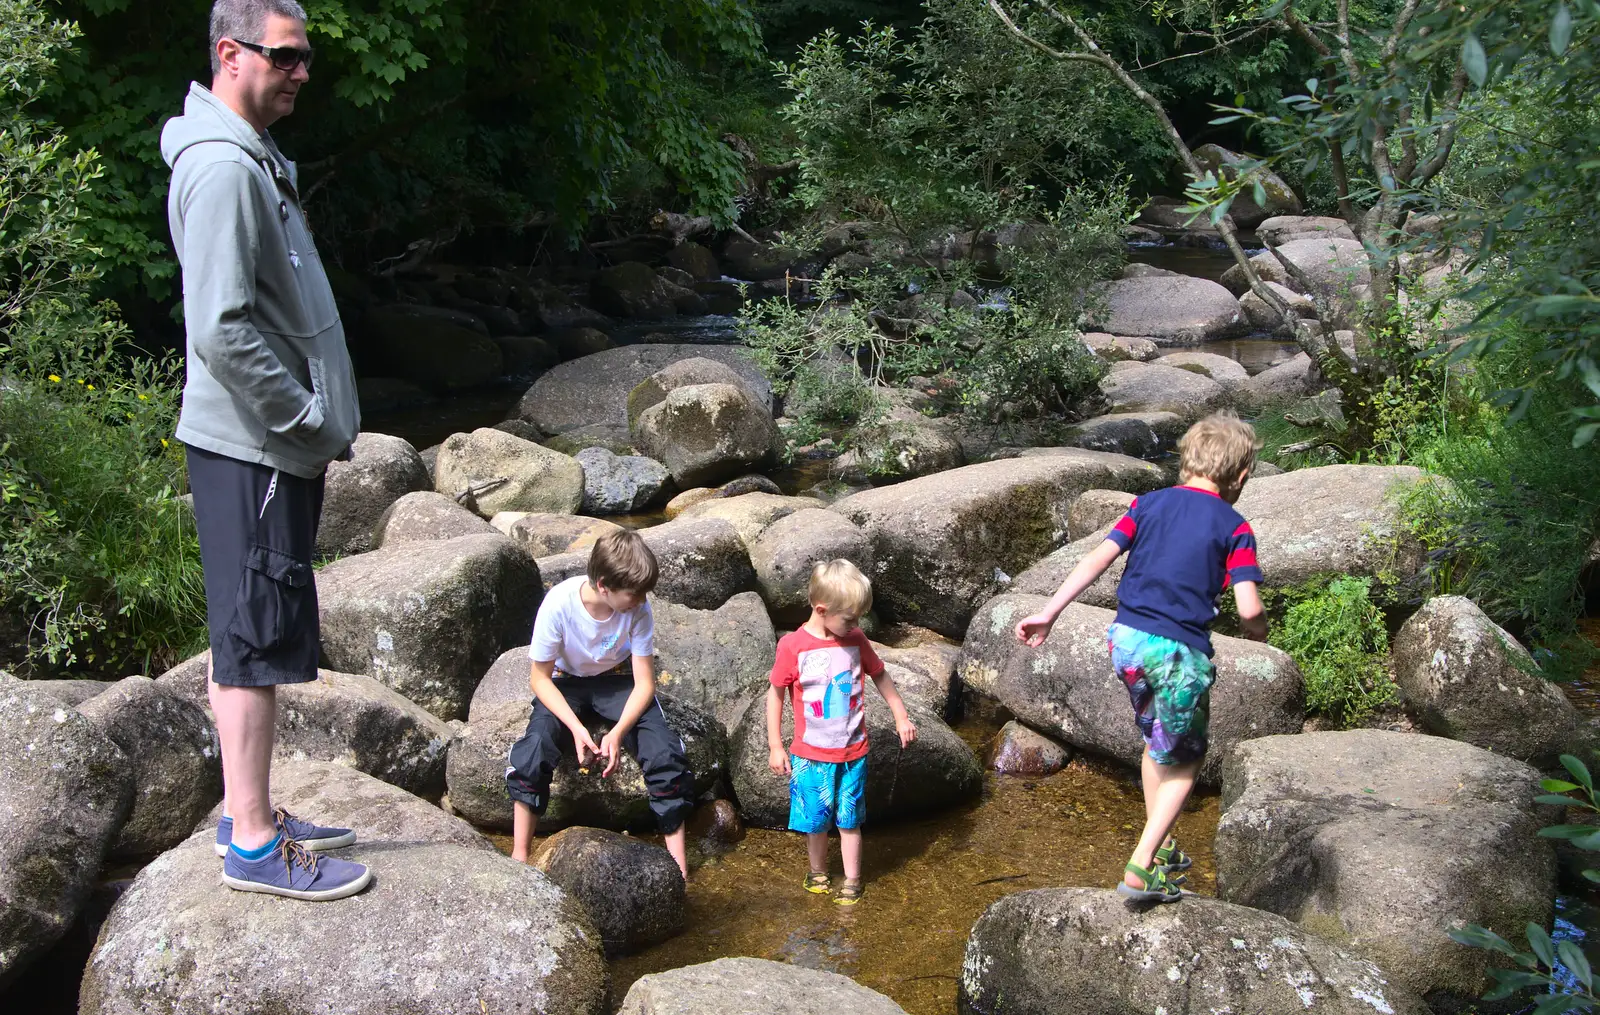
1220, 448
840, 585
623, 561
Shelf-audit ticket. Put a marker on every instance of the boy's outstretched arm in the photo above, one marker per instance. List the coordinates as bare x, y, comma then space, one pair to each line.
1252, 616
1033, 630
891, 694
777, 757
644, 692
550, 696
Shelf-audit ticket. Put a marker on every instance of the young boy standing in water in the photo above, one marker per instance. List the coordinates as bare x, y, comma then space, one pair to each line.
1186, 544
824, 662
593, 651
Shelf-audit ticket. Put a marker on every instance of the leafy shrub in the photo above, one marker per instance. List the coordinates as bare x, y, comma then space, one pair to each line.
1337, 636
97, 556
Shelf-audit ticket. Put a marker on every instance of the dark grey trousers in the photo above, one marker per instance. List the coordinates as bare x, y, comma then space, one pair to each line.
257, 530
652, 743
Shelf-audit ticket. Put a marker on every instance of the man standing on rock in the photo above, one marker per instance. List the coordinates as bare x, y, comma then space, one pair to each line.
270, 400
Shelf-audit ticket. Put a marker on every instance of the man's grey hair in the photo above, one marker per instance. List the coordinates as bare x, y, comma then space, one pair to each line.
246, 20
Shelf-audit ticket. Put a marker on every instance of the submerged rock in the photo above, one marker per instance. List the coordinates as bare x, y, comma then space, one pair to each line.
631, 889
1017, 750
1052, 951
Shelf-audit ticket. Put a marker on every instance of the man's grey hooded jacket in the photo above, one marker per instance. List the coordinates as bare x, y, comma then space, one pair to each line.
270, 379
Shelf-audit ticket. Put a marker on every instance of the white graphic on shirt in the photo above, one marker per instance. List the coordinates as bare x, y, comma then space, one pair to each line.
831, 696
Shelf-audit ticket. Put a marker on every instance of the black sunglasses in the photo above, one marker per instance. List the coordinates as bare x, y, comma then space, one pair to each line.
284, 58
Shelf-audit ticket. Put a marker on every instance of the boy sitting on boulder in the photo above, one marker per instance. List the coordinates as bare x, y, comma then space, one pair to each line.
1186, 544
593, 650
824, 663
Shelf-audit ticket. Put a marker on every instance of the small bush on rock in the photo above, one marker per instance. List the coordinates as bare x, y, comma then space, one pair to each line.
1337, 636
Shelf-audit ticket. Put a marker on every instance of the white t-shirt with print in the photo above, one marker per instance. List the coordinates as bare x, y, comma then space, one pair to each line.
566, 632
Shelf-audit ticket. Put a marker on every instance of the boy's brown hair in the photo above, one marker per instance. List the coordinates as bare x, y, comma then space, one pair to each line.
840, 585
1220, 448
623, 562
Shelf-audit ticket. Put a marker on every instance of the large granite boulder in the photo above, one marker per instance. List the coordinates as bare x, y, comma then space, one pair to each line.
631, 889
634, 290
1383, 842
750, 513
440, 351
745, 986
1046, 576
1057, 950
348, 719
1246, 211
545, 535
1289, 381
944, 544
703, 562
1334, 267
595, 389
1337, 519
336, 794
427, 619
682, 373
424, 516
1152, 387
1226, 372
1263, 317
1116, 348
1469, 680
716, 659
71, 693
506, 681
359, 491
1281, 229
621, 802
506, 473
706, 433
923, 669
1170, 310
65, 788
173, 756
619, 484
1095, 511
444, 929
613, 436
1067, 688
936, 771
786, 552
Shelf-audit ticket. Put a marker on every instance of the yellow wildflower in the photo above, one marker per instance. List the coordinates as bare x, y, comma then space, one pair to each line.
164, 442
144, 398
80, 380
54, 379
91, 387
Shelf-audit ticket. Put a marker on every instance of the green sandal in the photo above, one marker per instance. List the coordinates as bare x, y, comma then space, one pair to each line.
850, 894
1170, 857
817, 883
1159, 886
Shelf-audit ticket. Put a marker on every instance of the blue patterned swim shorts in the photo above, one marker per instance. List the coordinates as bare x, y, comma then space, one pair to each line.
1169, 684
821, 792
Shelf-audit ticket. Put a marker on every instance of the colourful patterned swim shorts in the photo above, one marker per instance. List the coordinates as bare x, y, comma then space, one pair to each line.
1169, 684
824, 791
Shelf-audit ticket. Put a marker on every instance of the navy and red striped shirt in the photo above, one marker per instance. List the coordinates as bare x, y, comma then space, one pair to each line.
1185, 546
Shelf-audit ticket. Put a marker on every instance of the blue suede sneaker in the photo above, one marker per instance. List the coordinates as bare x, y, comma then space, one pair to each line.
312, 837
286, 868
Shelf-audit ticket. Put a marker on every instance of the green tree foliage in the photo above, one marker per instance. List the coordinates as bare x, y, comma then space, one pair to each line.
98, 559
423, 116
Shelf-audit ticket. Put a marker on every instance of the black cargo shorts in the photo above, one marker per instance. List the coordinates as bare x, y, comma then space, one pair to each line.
258, 528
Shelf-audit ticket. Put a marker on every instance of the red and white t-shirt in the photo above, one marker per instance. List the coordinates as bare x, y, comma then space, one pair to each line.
829, 696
